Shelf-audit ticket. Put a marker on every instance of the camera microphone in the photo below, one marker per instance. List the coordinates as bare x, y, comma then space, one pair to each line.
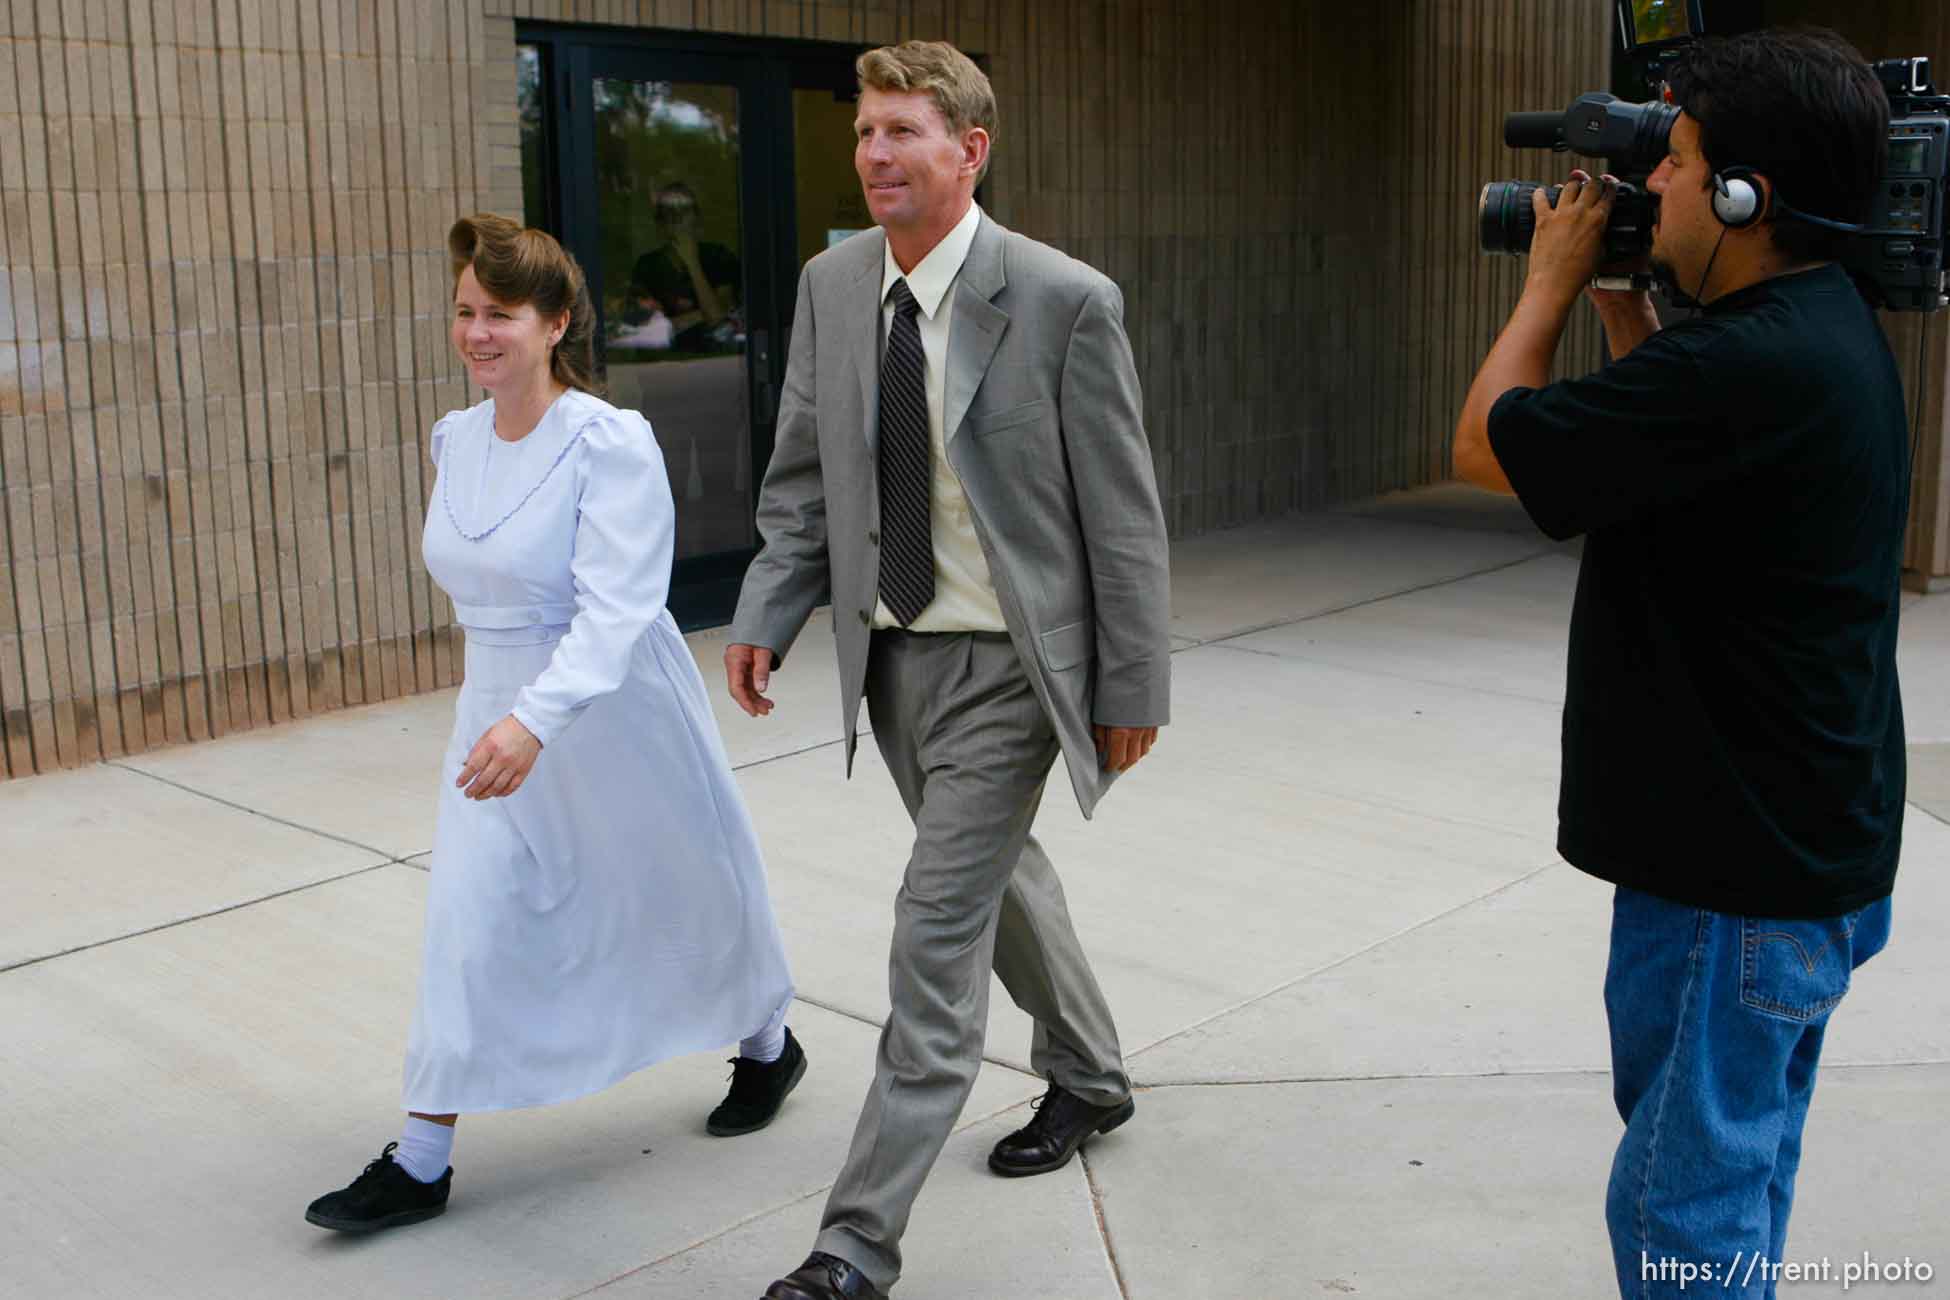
1534, 130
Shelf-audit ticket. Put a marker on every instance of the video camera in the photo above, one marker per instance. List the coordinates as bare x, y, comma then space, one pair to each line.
1896, 256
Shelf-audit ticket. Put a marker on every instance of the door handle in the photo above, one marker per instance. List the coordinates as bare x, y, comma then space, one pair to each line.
766, 398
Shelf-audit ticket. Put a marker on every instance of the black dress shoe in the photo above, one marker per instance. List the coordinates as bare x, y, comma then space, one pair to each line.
1061, 1124
384, 1196
824, 1277
758, 1089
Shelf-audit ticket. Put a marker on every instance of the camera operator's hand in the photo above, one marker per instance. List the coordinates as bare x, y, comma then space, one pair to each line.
1565, 250
1570, 238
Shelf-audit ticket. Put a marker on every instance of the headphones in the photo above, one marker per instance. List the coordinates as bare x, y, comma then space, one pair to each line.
1740, 202
1738, 199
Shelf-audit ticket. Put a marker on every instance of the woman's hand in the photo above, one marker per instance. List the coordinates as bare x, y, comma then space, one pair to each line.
499, 761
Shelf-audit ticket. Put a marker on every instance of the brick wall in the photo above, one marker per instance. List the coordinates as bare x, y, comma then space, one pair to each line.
222, 309
221, 334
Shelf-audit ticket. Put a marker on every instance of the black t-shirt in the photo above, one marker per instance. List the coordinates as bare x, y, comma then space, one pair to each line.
1733, 730
661, 273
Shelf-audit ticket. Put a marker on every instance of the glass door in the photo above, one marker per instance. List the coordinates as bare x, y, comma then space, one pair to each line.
692, 177
668, 211
827, 202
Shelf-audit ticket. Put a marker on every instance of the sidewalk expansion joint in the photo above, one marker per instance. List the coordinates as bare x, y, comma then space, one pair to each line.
803, 749
1940, 820
846, 1013
245, 808
201, 916
1303, 977
823, 1189
1412, 521
1548, 1072
1289, 656
1279, 1081
1421, 814
1103, 1224
1219, 641
681, 1251
1274, 624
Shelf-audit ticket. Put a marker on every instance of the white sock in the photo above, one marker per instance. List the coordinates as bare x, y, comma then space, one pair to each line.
766, 1046
425, 1149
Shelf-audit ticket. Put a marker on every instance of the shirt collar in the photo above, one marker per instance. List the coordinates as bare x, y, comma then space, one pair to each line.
931, 276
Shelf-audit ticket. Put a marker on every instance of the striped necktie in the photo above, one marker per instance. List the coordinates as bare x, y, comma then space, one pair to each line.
906, 466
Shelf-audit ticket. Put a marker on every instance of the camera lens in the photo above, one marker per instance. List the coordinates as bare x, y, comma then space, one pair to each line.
1505, 220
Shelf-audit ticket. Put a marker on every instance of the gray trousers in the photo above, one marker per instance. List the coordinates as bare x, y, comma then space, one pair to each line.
970, 747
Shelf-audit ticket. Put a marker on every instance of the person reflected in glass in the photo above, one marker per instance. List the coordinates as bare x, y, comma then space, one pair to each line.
596, 901
694, 280
639, 321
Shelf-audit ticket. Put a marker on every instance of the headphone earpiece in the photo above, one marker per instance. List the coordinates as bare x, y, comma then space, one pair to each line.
1738, 200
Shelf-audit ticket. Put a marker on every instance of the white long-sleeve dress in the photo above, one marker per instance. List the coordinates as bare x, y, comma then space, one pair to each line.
612, 912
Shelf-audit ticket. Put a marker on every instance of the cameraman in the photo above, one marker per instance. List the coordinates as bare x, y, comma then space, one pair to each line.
1733, 738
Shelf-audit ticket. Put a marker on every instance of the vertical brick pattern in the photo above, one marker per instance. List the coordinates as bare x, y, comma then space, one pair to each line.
222, 338
223, 298
1285, 192
1463, 65
222, 327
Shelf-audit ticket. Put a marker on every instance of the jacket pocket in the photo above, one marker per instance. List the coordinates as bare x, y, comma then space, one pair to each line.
1012, 417
1069, 645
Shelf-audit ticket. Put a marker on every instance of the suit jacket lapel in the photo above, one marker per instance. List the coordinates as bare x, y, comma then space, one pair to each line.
863, 332
978, 324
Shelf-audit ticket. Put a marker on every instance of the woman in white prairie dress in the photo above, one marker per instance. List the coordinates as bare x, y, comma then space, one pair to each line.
597, 901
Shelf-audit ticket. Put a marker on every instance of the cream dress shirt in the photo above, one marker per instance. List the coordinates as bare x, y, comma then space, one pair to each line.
964, 597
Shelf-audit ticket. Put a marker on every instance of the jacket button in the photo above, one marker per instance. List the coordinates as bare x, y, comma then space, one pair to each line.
873, 537
865, 617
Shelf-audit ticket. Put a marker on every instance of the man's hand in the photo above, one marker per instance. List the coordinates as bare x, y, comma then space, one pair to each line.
748, 671
500, 760
1570, 238
1120, 748
1564, 253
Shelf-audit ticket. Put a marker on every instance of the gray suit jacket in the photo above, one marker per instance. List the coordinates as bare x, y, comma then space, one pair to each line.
1044, 427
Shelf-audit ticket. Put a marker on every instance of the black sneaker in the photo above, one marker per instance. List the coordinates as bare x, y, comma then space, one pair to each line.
384, 1196
758, 1089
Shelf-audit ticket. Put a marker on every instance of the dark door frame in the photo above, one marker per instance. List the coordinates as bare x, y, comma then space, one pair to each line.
766, 70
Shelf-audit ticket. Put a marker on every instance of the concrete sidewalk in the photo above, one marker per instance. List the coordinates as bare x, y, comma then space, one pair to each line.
1359, 990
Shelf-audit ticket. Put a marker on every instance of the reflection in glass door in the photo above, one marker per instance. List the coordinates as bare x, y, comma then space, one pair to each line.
692, 175
668, 198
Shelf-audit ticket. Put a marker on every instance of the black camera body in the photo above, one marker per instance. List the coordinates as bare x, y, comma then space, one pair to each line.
1895, 256
1630, 137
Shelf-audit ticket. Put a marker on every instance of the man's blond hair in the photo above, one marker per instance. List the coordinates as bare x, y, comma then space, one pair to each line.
959, 89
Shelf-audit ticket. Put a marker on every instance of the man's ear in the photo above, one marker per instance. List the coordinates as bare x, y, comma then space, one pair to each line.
1766, 188
974, 149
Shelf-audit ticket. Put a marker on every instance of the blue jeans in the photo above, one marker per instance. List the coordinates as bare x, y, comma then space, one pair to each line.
1716, 1028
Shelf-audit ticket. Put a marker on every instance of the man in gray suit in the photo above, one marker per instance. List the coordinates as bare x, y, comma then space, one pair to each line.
961, 461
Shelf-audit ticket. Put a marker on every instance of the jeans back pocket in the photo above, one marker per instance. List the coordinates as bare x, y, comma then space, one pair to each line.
1797, 970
